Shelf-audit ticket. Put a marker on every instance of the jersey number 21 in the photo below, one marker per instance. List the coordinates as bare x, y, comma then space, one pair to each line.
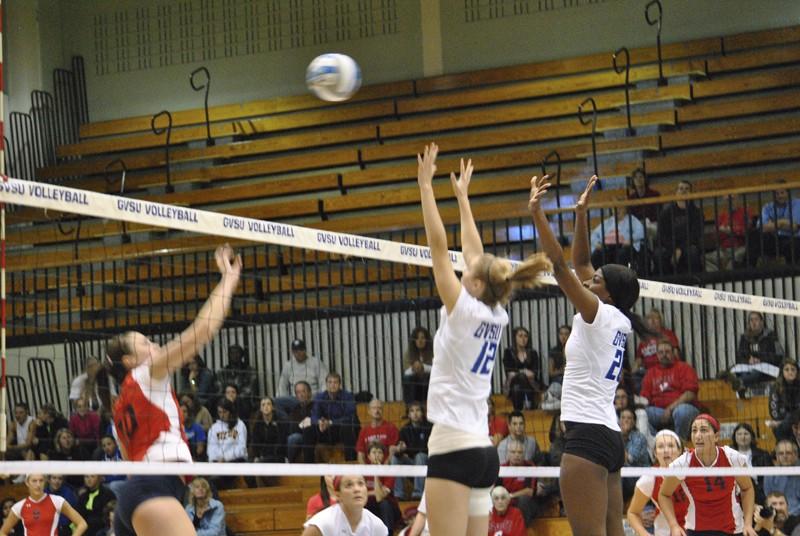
483, 363
616, 366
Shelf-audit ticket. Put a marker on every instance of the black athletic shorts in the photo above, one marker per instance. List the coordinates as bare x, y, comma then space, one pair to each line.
138, 489
596, 443
475, 468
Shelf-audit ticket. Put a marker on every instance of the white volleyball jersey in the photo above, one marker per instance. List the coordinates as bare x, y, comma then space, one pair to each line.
465, 349
594, 353
332, 522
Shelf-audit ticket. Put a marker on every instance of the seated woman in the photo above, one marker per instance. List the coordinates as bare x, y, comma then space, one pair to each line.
523, 371
743, 440
381, 500
757, 345
206, 512
349, 512
668, 447
65, 448
267, 435
227, 441
784, 399
417, 366
555, 369
197, 412
636, 451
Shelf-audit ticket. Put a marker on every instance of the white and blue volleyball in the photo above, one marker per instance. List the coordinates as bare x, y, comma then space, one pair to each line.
333, 77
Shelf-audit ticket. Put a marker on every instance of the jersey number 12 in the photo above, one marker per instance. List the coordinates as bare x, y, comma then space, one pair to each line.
616, 366
484, 361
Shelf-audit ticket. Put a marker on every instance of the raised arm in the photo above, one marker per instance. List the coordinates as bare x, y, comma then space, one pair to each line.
208, 322
581, 255
447, 284
584, 301
471, 245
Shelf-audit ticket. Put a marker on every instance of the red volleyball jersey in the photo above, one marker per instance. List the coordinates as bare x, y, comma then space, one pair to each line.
650, 486
713, 501
39, 518
148, 419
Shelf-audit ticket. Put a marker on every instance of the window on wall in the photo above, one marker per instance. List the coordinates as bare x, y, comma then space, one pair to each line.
174, 32
477, 10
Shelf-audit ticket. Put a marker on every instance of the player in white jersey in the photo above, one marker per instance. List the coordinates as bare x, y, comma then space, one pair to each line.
594, 453
462, 463
146, 414
348, 515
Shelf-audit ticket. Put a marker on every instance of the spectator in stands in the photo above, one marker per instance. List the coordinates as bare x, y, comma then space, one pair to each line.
785, 456
109, 452
680, 234
300, 367
57, 485
504, 519
732, 226
196, 437
420, 349
108, 515
85, 425
782, 520
647, 349
639, 189
758, 344
20, 434
84, 385
412, 449
65, 449
381, 501
378, 430
555, 366
416, 379
48, 422
636, 449
267, 436
779, 228
239, 372
206, 512
516, 429
299, 420
622, 400
351, 491
18, 530
523, 490
523, 371
195, 378
92, 499
671, 389
498, 427
325, 498
197, 412
784, 399
231, 393
333, 420
743, 439
227, 438
618, 239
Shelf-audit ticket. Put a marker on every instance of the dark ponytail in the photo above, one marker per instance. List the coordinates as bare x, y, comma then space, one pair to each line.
622, 284
112, 367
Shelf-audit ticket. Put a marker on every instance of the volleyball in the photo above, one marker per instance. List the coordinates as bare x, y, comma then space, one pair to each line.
333, 77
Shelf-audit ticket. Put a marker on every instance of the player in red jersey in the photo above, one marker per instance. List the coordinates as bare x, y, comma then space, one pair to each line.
147, 416
668, 447
714, 508
39, 512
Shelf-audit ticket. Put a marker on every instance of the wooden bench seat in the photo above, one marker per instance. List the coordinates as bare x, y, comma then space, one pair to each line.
773, 79
751, 130
682, 162
754, 59
738, 107
760, 38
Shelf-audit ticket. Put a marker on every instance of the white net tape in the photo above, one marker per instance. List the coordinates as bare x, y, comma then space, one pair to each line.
93, 204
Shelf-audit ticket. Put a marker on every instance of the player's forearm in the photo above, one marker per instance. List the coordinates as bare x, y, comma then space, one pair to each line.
434, 227
580, 241
471, 244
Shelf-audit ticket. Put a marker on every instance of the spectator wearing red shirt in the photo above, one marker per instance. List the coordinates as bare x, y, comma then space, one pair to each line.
671, 390
85, 426
325, 498
378, 430
381, 501
498, 427
504, 520
732, 228
646, 350
523, 490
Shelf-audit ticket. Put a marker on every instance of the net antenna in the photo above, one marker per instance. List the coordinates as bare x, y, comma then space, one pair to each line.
3, 409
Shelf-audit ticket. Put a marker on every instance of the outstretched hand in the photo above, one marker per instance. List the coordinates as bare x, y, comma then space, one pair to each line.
583, 200
461, 184
539, 186
228, 262
426, 168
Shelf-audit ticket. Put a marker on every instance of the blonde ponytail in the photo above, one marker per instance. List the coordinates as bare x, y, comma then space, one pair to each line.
502, 280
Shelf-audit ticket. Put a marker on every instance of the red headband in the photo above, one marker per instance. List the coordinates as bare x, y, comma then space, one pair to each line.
711, 420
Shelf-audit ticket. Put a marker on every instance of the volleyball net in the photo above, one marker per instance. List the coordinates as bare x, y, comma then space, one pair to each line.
369, 293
